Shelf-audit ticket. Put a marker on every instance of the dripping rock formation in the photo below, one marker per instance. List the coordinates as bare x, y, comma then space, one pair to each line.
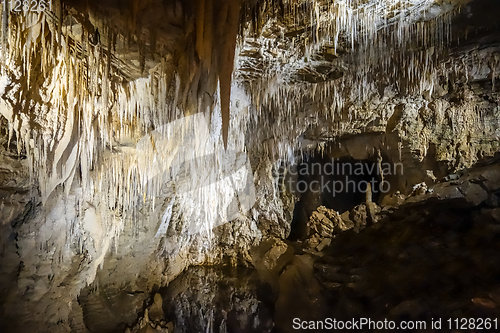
231, 165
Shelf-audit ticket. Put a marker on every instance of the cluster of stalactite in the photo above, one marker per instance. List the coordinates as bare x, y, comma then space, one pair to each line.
397, 45
97, 125
78, 108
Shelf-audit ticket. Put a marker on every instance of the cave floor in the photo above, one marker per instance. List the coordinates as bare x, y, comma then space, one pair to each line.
432, 258
421, 263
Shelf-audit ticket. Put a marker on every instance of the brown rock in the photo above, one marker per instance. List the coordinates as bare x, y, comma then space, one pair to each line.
492, 178
473, 193
147, 329
373, 210
320, 223
313, 241
325, 222
410, 307
393, 200
324, 243
272, 255
156, 310
359, 217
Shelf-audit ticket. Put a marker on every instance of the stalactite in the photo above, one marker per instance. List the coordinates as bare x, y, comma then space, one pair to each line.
134, 9
227, 31
200, 26
372, 30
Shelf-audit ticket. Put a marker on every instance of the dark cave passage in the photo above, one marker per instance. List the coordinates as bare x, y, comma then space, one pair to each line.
336, 183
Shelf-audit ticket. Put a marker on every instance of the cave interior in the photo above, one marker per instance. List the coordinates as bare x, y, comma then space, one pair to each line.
249, 165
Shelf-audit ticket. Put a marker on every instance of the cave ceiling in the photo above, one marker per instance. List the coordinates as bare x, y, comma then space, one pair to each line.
282, 50
293, 43
301, 41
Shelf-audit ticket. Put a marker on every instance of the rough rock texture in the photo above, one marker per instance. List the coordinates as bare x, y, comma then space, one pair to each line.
210, 299
325, 222
414, 264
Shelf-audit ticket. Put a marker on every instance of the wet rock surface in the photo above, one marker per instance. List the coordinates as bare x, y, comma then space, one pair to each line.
110, 310
208, 299
433, 256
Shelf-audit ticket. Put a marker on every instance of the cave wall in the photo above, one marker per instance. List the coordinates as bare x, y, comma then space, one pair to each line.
54, 248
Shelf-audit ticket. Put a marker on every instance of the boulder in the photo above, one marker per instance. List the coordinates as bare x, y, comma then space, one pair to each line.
324, 243
393, 200
325, 222
474, 193
156, 310
274, 253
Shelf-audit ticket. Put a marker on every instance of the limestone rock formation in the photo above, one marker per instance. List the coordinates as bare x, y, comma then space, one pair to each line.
325, 222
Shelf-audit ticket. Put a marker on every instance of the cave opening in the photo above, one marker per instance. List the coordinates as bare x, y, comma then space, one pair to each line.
338, 183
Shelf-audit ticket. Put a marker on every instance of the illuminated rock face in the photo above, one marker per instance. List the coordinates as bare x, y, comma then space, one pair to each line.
115, 165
